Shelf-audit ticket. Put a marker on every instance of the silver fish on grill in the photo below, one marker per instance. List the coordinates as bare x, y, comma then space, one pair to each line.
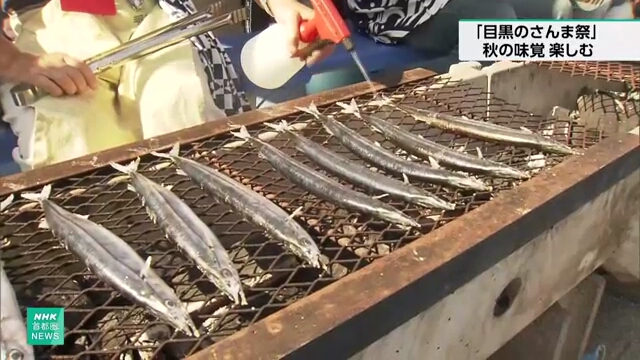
3, 205
428, 150
482, 130
13, 333
257, 209
6, 202
387, 160
186, 229
113, 261
360, 175
324, 187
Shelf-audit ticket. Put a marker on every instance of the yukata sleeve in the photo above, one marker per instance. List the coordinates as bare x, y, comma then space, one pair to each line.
222, 78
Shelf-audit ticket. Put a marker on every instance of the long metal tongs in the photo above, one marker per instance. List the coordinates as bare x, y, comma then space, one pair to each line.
183, 29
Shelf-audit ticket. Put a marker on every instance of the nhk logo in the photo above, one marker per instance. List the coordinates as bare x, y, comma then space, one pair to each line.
45, 326
47, 317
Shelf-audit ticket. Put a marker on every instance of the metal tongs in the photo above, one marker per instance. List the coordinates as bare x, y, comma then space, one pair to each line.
183, 29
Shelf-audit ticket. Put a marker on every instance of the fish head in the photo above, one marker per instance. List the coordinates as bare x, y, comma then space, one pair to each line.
12, 349
166, 305
469, 183
510, 173
558, 148
553, 146
228, 281
308, 251
178, 315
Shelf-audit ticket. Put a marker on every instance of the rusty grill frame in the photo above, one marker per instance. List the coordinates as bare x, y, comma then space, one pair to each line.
624, 72
270, 344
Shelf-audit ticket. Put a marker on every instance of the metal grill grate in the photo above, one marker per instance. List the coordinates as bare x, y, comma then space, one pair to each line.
627, 72
102, 325
600, 111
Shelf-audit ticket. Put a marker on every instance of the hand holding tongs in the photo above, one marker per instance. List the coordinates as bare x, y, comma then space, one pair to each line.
183, 29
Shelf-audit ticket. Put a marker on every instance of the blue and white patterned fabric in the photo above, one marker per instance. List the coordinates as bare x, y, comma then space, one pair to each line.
221, 76
388, 21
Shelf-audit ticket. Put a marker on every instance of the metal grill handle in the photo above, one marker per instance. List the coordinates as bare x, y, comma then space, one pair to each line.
193, 25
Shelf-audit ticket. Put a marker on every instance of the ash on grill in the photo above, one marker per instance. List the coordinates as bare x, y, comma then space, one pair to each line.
102, 325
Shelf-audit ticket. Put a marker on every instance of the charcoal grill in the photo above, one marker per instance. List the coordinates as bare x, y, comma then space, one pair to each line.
376, 271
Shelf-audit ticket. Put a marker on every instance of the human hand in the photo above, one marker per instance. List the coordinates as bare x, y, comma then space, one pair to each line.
290, 13
57, 74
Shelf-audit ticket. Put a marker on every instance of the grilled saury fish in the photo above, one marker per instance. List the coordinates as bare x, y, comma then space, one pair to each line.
427, 150
385, 159
324, 187
186, 229
13, 333
113, 261
252, 206
483, 130
360, 175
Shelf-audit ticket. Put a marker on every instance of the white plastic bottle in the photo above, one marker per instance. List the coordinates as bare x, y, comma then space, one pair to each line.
266, 60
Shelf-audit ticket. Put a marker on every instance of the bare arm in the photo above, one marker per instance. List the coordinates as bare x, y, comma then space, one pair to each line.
8, 52
57, 74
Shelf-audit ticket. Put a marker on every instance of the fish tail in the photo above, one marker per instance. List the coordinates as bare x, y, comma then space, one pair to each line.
6, 202
385, 98
243, 299
175, 151
311, 109
354, 105
43, 195
281, 127
127, 169
242, 134
160, 155
351, 108
381, 100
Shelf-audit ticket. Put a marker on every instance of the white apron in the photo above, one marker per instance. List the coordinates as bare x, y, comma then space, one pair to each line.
164, 92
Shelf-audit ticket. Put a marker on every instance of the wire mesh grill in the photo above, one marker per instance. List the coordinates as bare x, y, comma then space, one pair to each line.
627, 72
100, 324
602, 111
